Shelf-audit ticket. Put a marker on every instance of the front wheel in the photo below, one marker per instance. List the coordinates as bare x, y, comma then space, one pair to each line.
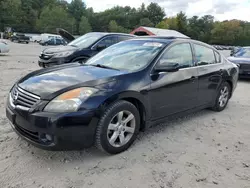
222, 97
118, 127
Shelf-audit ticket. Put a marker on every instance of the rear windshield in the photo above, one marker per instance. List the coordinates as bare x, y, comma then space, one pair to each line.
86, 40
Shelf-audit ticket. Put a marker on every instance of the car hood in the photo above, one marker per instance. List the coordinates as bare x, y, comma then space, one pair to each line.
239, 60
59, 49
65, 35
48, 81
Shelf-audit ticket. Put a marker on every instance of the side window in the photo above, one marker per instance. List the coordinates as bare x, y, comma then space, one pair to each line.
204, 55
58, 41
180, 53
108, 41
217, 57
122, 38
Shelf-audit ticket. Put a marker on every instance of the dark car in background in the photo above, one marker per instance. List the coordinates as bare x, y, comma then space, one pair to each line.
242, 59
20, 38
121, 90
53, 42
81, 48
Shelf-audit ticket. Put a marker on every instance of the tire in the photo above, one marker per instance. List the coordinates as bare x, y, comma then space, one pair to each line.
109, 127
220, 103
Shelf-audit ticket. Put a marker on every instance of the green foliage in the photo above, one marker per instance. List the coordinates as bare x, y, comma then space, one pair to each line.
84, 26
47, 15
155, 13
77, 9
162, 25
181, 22
114, 27
53, 17
146, 22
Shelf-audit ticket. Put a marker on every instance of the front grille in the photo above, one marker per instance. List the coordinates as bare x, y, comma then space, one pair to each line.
23, 98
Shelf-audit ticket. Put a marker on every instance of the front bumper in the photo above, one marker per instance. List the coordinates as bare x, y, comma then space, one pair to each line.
54, 131
51, 62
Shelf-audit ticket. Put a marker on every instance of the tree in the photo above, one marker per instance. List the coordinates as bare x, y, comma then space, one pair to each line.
227, 32
77, 9
84, 27
54, 17
162, 25
114, 27
155, 13
181, 20
146, 22
10, 13
172, 23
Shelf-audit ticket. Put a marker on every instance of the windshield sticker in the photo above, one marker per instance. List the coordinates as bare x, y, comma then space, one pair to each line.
152, 44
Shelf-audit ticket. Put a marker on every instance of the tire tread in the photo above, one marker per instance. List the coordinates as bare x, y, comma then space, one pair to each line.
103, 118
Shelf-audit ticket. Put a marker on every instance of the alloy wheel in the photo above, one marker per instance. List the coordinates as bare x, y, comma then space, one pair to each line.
121, 128
224, 95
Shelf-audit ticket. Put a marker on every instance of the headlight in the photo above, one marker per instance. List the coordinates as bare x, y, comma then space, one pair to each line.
63, 54
70, 101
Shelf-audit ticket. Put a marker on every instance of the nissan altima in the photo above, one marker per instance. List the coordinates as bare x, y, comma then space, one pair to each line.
120, 91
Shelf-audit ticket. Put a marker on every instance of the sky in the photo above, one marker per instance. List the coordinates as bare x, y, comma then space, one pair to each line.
220, 9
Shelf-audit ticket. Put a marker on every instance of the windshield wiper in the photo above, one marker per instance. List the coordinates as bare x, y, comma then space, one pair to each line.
103, 66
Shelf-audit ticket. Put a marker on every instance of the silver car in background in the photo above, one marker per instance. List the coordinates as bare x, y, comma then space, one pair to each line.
4, 47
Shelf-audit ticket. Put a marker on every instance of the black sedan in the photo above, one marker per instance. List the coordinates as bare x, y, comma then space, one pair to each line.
120, 91
242, 59
80, 49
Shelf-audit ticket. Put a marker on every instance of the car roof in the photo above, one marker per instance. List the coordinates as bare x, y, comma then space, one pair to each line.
106, 33
168, 39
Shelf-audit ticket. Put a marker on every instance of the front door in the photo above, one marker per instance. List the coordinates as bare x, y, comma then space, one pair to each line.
173, 92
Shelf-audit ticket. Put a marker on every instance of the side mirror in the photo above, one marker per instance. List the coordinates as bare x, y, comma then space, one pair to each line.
168, 67
100, 47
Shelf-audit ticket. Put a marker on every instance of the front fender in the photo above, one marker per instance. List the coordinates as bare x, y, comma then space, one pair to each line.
101, 102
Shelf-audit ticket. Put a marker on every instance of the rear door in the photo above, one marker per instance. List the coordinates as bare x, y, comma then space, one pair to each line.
210, 71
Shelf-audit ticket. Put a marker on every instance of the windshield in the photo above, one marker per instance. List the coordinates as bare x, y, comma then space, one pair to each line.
243, 52
86, 40
128, 55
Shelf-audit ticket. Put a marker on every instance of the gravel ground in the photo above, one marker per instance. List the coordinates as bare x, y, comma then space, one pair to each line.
205, 149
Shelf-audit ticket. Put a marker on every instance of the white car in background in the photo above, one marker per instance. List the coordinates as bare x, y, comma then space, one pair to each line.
4, 47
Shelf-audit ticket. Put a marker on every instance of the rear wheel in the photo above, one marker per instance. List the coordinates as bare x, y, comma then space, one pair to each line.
222, 97
118, 127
